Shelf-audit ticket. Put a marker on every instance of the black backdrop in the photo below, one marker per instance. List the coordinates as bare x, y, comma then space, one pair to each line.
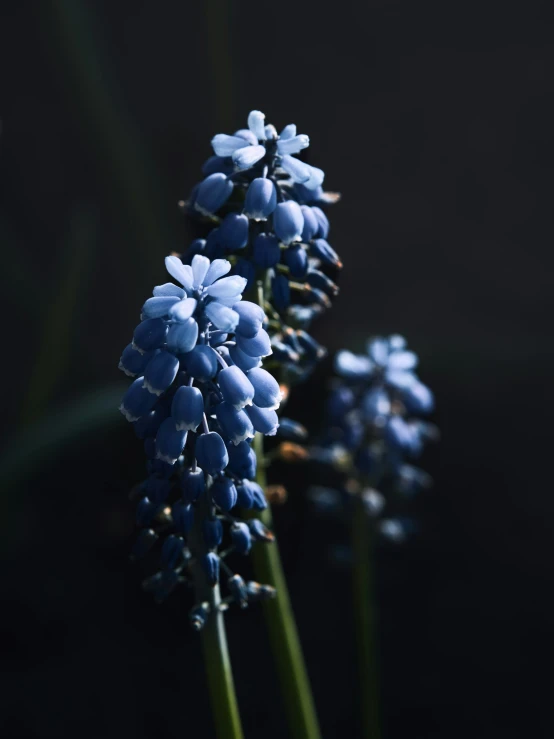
435, 123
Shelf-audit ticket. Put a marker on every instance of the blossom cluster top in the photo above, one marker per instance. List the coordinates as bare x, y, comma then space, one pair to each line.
199, 396
375, 419
263, 208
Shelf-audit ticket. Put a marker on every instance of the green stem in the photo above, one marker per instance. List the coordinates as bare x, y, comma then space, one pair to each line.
217, 662
283, 634
365, 620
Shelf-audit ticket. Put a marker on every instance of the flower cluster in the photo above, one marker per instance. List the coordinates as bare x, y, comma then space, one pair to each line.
199, 396
262, 205
374, 427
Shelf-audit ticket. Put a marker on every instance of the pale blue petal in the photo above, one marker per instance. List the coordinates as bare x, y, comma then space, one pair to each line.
298, 171
222, 317
293, 145
182, 337
227, 287
183, 310
288, 132
352, 365
169, 289
181, 272
247, 157
400, 379
397, 342
316, 177
247, 135
256, 123
378, 350
231, 301
402, 360
159, 306
225, 145
270, 132
200, 266
218, 268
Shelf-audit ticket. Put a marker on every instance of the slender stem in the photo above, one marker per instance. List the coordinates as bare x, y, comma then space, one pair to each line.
365, 620
283, 634
214, 640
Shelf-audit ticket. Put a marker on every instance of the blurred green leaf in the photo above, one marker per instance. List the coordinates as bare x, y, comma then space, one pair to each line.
48, 436
61, 314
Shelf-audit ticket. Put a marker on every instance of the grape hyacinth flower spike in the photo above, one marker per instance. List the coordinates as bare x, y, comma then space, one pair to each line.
192, 406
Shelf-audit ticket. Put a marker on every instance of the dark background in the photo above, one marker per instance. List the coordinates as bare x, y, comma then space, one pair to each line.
435, 122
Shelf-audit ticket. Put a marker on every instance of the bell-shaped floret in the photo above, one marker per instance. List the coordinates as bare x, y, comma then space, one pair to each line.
182, 337
242, 360
322, 250
198, 616
193, 484
179, 271
312, 348
213, 192
311, 226
210, 565
280, 289
222, 317
266, 251
288, 221
133, 362
248, 157
355, 366
224, 145
251, 318
264, 420
235, 424
256, 124
258, 346
376, 406
292, 430
160, 372
172, 552
138, 401
227, 287
293, 145
251, 495
224, 493
150, 334
187, 408
418, 398
322, 221
267, 393
212, 529
201, 363
169, 441
146, 511
233, 231
241, 537
261, 199
259, 531
242, 460
235, 387
158, 307
316, 278
296, 259
211, 453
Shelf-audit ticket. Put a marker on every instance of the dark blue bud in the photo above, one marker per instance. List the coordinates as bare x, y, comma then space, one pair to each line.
137, 401
317, 279
182, 337
201, 363
242, 360
403, 436
156, 488
261, 199
310, 346
146, 512
411, 480
161, 584
159, 306
266, 250
322, 250
133, 362
311, 226
235, 424
149, 424
314, 295
198, 616
193, 484
187, 408
224, 493
235, 387
267, 393
172, 552
264, 420
280, 290
149, 447
245, 268
169, 442
183, 517
217, 164
288, 221
210, 565
322, 222
240, 536
211, 453
212, 528
198, 246
214, 248
259, 531
292, 430
242, 460
256, 591
143, 543
251, 318
237, 587
213, 192
160, 372
251, 495
258, 346
376, 406
150, 334
233, 231
284, 353
296, 259
353, 431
